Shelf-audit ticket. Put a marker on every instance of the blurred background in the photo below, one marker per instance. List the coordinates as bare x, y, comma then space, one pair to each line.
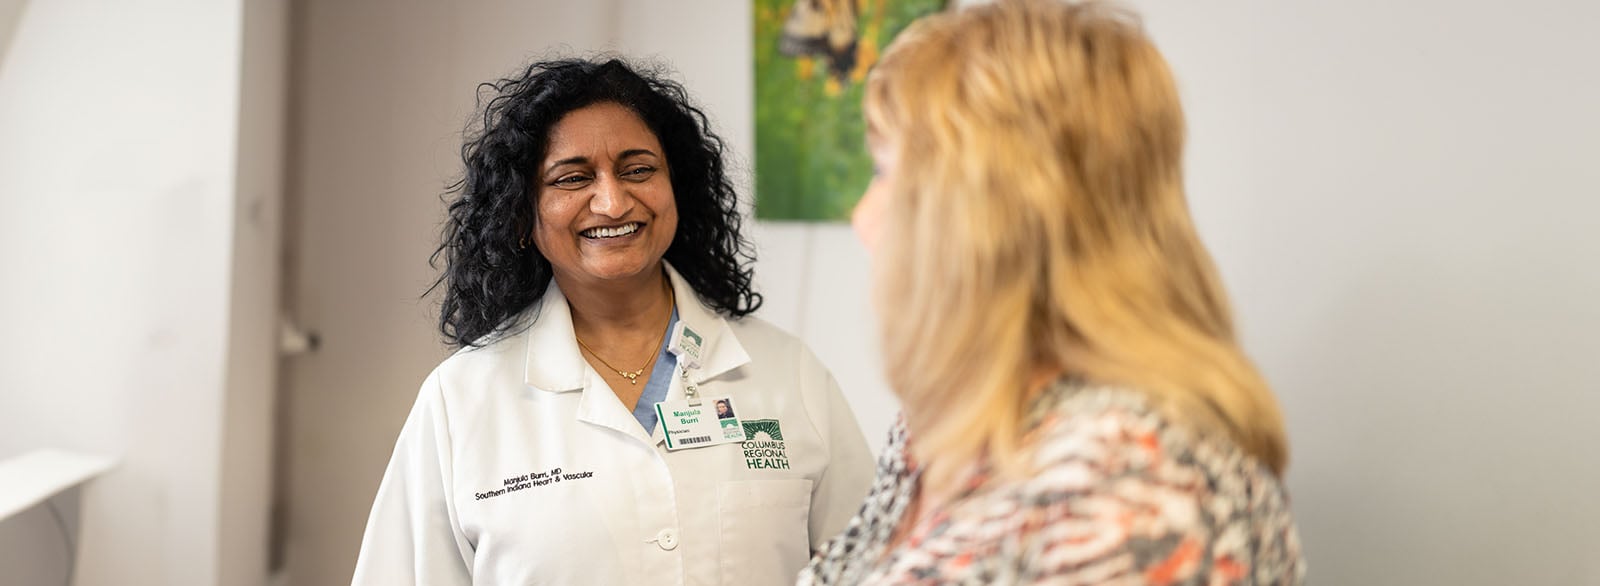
1401, 194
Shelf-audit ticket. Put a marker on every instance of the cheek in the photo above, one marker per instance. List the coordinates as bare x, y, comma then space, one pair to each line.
867, 219
554, 215
665, 206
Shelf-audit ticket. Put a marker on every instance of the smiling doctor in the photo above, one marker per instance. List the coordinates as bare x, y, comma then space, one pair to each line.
597, 285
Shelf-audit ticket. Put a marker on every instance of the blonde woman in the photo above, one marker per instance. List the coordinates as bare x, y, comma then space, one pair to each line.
1077, 408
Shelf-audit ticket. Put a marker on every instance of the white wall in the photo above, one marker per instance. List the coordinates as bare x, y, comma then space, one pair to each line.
1402, 195
118, 141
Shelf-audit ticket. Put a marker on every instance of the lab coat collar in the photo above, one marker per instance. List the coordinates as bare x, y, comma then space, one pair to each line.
721, 349
555, 364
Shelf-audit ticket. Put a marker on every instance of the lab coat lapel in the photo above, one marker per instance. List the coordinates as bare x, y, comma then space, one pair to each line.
600, 406
554, 364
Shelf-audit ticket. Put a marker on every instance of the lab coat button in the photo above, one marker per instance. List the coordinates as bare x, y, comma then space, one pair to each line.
667, 539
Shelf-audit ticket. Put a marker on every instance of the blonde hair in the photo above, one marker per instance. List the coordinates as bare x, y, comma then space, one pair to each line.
1038, 221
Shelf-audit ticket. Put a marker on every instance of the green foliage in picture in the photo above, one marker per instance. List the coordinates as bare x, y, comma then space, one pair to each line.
811, 59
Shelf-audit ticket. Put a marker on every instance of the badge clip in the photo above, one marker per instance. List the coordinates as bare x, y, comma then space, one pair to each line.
687, 345
690, 391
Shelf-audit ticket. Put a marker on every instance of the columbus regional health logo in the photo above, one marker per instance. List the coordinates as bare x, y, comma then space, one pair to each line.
763, 445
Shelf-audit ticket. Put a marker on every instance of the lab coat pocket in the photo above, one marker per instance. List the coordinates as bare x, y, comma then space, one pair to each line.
764, 530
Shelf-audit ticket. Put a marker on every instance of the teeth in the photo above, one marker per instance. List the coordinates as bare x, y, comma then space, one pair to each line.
614, 232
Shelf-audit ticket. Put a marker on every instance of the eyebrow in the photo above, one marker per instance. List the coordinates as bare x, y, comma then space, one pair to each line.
567, 161
581, 160
635, 152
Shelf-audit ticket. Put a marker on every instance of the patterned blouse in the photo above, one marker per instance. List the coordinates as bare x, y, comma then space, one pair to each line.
1122, 496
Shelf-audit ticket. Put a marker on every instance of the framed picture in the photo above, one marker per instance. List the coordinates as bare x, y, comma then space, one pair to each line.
811, 62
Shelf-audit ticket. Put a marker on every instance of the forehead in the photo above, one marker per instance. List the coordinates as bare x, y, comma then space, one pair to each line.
603, 129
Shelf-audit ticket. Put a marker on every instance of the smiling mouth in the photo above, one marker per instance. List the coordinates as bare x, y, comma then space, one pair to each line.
604, 232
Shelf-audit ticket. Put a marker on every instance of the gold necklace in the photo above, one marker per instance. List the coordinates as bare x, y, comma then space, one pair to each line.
633, 377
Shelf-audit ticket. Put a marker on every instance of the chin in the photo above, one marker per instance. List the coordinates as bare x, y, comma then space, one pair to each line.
612, 269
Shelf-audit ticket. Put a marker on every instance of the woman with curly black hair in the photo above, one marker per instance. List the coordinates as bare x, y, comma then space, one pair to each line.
598, 288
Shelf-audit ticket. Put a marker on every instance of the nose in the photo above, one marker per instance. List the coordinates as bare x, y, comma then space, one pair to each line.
611, 198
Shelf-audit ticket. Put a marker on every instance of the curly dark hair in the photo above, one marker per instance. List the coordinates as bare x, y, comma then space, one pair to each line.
490, 277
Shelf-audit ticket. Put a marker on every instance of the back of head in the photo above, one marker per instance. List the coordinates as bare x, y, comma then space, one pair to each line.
1039, 221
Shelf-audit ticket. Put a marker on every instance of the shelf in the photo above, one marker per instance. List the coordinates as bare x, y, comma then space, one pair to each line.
34, 477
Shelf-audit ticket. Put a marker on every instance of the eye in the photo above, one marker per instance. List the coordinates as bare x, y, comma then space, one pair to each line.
574, 180
639, 173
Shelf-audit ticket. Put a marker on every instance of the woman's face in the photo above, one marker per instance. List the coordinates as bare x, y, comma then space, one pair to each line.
604, 199
722, 408
867, 219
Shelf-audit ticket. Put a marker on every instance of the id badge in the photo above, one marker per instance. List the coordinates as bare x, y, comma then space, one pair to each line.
712, 422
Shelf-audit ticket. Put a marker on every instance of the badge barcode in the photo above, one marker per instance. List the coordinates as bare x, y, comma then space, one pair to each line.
699, 439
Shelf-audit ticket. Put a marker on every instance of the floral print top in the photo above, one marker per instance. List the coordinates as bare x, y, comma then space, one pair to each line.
1121, 495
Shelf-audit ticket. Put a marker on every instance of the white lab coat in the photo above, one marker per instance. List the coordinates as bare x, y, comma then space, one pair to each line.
622, 509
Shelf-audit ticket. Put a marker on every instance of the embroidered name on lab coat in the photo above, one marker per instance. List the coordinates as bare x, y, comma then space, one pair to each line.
763, 445
532, 480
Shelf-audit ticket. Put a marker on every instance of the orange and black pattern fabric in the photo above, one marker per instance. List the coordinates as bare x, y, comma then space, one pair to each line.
1121, 494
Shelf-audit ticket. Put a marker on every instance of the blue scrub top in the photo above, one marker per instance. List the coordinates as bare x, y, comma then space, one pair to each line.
655, 389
